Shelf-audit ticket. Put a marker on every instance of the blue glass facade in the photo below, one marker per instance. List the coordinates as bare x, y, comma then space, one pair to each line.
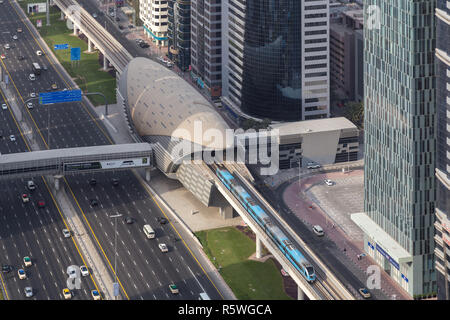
400, 139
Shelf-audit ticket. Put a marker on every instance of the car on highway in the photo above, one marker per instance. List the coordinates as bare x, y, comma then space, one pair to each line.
130, 26
3, 56
92, 182
328, 182
364, 293
7, 46
94, 202
25, 198
31, 185
32, 77
67, 294
120, 27
95, 295
27, 261
28, 292
15, 37
162, 220
129, 220
30, 105
22, 274
111, 13
312, 165
39, 53
20, 58
163, 247
84, 271
6, 268
318, 230
115, 182
66, 233
41, 204
94, 15
44, 67
12, 138
54, 86
33, 95
19, 30
173, 288
4, 106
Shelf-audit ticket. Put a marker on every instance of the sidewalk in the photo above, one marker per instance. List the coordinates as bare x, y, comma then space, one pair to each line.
303, 207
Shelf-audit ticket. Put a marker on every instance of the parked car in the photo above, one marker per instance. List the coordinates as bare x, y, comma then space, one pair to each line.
130, 26
312, 165
364, 293
328, 182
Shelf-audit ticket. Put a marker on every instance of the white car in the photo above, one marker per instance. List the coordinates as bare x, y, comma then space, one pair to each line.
30, 105
84, 271
15, 37
33, 95
163, 247
22, 274
25, 198
6, 46
28, 292
12, 138
318, 230
4, 106
328, 182
39, 53
27, 261
66, 233
32, 77
111, 14
94, 15
312, 165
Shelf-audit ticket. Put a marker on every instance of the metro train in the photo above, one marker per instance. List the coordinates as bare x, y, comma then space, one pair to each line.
264, 221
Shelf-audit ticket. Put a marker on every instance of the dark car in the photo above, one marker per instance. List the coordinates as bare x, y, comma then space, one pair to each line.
129, 220
92, 182
21, 58
41, 203
130, 26
44, 67
120, 27
6, 268
115, 182
94, 202
117, 19
162, 220
144, 45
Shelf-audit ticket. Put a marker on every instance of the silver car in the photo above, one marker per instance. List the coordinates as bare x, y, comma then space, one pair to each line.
28, 292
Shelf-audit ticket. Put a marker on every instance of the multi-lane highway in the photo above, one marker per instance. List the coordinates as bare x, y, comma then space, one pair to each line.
143, 271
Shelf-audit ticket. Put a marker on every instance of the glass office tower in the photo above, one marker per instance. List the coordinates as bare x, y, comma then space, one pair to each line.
442, 237
276, 58
179, 33
400, 141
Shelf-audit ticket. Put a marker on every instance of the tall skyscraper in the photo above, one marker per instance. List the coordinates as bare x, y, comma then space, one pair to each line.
442, 250
399, 125
179, 32
153, 14
206, 46
276, 58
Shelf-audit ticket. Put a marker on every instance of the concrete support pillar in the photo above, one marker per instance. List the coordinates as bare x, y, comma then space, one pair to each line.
226, 212
75, 31
62, 15
89, 45
300, 294
105, 63
147, 174
258, 247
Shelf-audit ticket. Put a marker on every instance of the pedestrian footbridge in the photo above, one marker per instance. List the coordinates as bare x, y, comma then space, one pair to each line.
76, 160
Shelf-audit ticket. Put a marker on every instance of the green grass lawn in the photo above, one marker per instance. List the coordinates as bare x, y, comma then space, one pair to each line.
248, 279
88, 73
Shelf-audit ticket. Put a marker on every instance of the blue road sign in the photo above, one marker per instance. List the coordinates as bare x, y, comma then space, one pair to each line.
59, 96
75, 54
64, 46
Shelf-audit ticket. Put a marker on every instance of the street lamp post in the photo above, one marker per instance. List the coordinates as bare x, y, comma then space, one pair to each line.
115, 249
